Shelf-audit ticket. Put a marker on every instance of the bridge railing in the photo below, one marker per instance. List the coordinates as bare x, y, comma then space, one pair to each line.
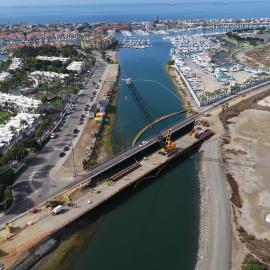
151, 140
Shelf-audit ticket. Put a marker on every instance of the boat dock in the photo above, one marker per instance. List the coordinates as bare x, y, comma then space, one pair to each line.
136, 43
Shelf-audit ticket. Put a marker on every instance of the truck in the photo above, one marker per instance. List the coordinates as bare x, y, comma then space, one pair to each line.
57, 210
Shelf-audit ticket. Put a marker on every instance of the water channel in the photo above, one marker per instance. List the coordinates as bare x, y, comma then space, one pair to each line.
154, 226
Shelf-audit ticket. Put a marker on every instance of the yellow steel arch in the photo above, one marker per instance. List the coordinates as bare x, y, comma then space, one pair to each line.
140, 133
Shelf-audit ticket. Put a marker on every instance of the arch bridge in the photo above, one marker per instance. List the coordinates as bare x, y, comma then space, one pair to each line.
142, 131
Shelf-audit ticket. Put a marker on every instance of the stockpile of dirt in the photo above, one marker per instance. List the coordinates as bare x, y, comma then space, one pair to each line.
235, 197
246, 104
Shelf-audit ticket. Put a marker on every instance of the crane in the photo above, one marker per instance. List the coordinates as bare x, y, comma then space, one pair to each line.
167, 144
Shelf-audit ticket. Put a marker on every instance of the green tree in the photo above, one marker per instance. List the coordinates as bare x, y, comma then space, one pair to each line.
30, 143
170, 63
253, 266
6, 175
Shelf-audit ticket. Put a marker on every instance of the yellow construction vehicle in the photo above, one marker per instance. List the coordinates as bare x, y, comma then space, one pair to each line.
110, 182
169, 145
194, 134
94, 190
10, 228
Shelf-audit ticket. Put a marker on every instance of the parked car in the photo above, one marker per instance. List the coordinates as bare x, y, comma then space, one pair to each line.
61, 154
75, 131
53, 135
66, 148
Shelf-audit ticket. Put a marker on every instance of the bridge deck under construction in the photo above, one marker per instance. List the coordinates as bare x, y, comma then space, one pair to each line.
31, 229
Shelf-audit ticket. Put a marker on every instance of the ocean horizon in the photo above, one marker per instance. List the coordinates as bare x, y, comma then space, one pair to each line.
133, 12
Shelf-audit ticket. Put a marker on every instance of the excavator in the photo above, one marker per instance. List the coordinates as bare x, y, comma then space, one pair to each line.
167, 144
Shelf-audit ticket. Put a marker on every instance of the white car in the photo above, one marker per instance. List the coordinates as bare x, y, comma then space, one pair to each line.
143, 143
53, 135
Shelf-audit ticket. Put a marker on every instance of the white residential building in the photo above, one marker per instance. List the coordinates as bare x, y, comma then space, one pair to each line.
19, 103
12, 132
75, 66
4, 76
15, 64
53, 58
49, 75
45, 76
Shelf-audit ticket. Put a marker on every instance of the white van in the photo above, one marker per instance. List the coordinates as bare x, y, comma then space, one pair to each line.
57, 210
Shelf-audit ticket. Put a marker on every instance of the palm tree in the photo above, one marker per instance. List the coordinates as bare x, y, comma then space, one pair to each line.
23, 124
202, 99
13, 129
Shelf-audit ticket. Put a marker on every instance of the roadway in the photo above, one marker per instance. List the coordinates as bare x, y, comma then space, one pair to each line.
36, 184
218, 253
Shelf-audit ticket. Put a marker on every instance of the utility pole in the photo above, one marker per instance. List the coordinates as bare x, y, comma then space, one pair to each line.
223, 113
73, 160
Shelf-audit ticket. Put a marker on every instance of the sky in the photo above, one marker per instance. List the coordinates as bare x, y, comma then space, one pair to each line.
96, 2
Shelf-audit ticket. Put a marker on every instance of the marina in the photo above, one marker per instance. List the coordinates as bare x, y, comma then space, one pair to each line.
194, 57
136, 43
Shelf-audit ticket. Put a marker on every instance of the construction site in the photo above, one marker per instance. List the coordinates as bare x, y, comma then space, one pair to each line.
245, 145
28, 238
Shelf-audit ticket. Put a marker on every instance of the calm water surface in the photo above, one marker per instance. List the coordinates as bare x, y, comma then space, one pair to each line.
98, 12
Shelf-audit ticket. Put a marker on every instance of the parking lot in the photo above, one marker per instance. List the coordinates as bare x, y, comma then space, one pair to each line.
37, 182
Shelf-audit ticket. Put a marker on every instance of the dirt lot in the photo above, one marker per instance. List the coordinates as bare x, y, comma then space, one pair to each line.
256, 58
241, 76
247, 154
260, 55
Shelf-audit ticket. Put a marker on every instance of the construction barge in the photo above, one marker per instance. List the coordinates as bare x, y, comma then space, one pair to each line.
25, 235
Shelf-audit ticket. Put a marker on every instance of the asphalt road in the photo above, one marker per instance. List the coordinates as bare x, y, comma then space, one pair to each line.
36, 184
